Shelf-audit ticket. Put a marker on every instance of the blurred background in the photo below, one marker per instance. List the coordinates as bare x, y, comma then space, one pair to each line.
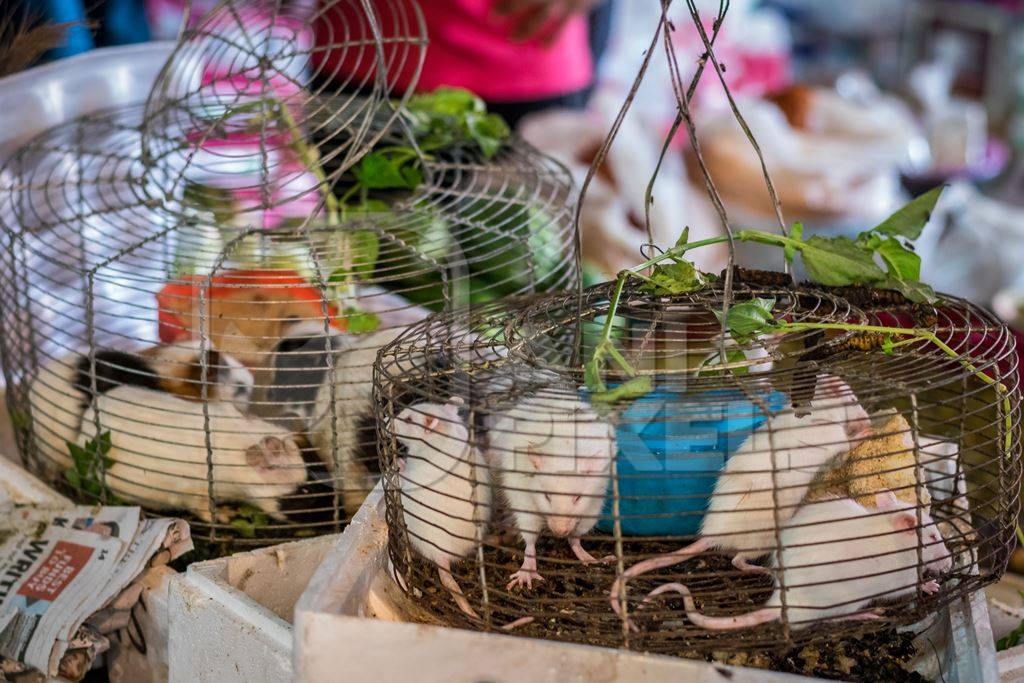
858, 106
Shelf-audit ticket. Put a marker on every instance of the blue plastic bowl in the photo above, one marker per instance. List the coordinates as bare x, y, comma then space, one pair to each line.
671, 448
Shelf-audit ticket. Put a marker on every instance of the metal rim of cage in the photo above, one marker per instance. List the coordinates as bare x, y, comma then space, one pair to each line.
971, 491
89, 248
249, 74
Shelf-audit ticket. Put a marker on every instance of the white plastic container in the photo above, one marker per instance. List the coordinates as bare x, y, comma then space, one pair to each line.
230, 618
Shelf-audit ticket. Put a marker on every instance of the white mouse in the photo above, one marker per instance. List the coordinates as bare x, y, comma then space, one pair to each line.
838, 558
159, 452
445, 489
741, 514
552, 456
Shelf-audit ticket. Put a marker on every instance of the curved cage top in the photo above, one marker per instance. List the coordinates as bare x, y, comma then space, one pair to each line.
278, 308
228, 106
490, 437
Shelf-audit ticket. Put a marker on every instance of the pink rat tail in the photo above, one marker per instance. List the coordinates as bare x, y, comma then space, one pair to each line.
667, 560
761, 616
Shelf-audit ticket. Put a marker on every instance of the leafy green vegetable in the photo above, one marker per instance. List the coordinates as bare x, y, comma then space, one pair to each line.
360, 322
745, 320
630, 389
382, 171
1012, 638
888, 345
838, 261
910, 220
89, 461
797, 234
733, 355
674, 278
903, 264
249, 520
451, 116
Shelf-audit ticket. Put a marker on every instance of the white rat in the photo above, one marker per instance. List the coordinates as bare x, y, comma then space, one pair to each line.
553, 456
159, 452
839, 557
741, 514
445, 489
62, 388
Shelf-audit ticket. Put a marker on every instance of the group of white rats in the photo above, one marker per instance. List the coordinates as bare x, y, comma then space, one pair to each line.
184, 432
549, 457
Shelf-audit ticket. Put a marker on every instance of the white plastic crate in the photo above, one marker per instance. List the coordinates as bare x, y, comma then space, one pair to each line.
230, 618
348, 614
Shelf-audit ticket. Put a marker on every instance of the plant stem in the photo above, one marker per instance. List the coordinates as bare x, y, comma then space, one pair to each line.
309, 157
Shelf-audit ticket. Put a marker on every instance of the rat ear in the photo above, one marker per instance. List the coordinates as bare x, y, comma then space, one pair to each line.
905, 521
886, 500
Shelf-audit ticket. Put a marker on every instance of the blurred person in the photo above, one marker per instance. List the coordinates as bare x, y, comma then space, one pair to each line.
520, 56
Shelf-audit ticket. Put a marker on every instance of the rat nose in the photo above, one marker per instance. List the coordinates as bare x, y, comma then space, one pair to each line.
561, 526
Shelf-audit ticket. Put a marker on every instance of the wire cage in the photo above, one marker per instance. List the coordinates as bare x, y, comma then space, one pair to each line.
880, 487
688, 464
253, 78
187, 346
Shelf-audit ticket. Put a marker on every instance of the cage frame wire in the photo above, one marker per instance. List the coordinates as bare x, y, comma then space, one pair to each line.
376, 111
527, 182
997, 361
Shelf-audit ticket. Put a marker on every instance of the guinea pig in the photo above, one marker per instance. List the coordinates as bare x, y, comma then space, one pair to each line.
344, 423
552, 456
300, 365
838, 558
62, 388
445, 489
160, 444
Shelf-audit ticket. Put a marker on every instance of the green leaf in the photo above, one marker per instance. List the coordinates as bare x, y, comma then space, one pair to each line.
839, 261
244, 527
488, 131
674, 278
380, 172
917, 292
795, 233
903, 264
592, 375
888, 347
748, 318
732, 355
911, 219
360, 322
630, 389
365, 248
73, 478
684, 238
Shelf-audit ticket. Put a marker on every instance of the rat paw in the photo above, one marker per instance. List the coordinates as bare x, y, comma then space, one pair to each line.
523, 576
930, 587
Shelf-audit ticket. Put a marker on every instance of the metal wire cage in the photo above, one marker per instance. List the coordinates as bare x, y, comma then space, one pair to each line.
253, 77
881, 487
215, 358
856, 482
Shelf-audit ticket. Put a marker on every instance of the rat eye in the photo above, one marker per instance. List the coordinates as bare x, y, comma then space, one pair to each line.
576, 499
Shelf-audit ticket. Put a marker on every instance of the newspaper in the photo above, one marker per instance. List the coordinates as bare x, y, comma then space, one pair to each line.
64, 572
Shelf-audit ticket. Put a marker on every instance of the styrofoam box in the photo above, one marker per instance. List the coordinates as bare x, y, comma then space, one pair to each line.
230, 618
348, 627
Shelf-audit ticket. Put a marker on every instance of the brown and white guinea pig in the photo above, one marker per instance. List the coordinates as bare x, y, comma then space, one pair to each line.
63, 387
165, 450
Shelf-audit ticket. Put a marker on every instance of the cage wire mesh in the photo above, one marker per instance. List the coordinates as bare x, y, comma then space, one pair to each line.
187, 346
772, 491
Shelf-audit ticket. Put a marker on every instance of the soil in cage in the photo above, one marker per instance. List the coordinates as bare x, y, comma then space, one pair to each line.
571, 605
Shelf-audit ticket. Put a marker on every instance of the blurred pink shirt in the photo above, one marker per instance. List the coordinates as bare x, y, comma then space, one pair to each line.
471, 48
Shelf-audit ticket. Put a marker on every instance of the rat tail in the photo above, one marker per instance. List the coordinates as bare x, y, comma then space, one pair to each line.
666, 560
761, 616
